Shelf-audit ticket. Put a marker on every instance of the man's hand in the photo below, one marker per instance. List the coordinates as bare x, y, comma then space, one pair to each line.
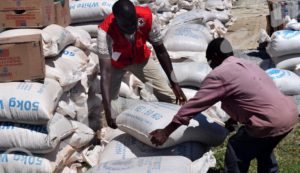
180, 97
165, 61
159, 137
111, 123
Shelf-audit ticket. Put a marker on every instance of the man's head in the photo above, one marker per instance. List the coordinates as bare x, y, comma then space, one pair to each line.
217, 51
125, 15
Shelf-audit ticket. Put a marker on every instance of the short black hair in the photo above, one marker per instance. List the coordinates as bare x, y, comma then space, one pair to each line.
124, 8
219, 48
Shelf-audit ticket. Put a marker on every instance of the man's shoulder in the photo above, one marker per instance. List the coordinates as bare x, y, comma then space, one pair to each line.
107, 22
143, 11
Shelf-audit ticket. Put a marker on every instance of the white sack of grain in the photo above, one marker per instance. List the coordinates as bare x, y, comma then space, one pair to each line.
284, 42
83, 38
56, 38
287, 81
288, 62
203, 164
43, 138
187, 4
215, 111
59, 156
127, 92
90, 10
107, 134
66, 106
159, 164
88, 155
93, 67
68, 68
218, 29
143, 118
292, 24
121, 104
29, 102
189, 93
193, 37
82, 135
188, 56
20, 162
215, 5
190, 74
200, 16
126, 147
90, 27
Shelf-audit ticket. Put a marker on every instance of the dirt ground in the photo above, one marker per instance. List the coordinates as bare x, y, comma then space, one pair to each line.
250, 18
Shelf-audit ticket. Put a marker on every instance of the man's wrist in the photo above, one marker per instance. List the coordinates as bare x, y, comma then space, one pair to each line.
171, 128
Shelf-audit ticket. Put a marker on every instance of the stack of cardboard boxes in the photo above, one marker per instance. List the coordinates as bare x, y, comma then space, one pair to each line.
21, 58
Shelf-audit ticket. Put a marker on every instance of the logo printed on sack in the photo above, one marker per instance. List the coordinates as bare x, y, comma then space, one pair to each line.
287, 34
277, 73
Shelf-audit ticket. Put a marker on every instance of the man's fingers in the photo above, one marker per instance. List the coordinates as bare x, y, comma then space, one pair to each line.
154, 141
152, 133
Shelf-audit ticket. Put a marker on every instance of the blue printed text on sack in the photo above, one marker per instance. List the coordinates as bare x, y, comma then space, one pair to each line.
24, 159
26, 105
149, 112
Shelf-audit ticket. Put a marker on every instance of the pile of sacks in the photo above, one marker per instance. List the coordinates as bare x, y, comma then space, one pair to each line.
47, 121
129, 149
194, 22
61, 114
284, 50
283, 45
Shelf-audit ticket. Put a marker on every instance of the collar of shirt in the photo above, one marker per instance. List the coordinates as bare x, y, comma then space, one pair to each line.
130, 37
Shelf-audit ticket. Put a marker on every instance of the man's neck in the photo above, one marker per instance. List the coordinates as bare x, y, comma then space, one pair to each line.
130, 37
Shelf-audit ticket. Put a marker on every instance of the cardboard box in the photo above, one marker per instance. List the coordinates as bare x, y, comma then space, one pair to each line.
22, 4
28, 14
21, 58
62, 13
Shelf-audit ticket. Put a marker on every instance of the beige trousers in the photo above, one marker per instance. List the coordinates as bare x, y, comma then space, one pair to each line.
149, 73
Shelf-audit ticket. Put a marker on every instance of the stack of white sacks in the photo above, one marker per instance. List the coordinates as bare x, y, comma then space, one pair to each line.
128, 148
202, 21
88, 14
65, 109
52, 119
284, 49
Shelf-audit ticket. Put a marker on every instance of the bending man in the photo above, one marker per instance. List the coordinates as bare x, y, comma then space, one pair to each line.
250, 97
122, 47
